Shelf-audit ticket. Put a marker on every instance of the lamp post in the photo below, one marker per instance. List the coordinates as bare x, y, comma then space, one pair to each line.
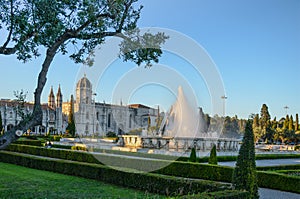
286, 109
224, 97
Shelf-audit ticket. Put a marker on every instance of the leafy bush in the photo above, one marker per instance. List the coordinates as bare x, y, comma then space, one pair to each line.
193, 155
79, 148
213, 156
111, 134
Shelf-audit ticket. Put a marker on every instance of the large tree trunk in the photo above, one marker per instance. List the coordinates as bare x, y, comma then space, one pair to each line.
37, 114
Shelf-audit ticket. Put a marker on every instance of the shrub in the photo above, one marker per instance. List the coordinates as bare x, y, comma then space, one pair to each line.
193, 155
278, 181
79, 148
111, 134
244, 176
213, 156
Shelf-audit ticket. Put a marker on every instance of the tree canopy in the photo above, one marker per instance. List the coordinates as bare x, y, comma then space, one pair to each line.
31, 26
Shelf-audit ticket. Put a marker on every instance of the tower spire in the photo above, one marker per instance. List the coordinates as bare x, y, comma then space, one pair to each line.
59, 97
51, 99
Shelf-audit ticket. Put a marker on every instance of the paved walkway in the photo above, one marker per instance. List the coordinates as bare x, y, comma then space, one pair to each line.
275, 194
267, 162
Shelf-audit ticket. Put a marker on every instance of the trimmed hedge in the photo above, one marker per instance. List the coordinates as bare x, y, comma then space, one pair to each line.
228, 194
173, 168
278, 181
53, 153
279, 167
166, 185
29, 142
199, 171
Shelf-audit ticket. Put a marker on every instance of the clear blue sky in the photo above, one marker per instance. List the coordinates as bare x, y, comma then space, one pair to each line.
254, 44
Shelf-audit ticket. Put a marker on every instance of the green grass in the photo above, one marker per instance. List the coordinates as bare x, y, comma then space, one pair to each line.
21, 182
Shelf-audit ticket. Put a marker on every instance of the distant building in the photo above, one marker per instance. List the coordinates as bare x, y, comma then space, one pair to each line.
53, 119
91, 118
99, 118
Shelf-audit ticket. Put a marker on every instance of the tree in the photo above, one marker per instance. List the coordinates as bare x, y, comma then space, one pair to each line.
193, 156
291, 123
297, 123
264, 121
286, 122
244, 175
213, 156
1, 125
71, 128
256, 128
84, 24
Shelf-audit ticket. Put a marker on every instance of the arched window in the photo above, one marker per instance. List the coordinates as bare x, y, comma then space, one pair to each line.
97, 116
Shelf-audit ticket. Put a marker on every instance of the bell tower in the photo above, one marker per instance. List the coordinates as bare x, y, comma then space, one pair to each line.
51, 99
59, 98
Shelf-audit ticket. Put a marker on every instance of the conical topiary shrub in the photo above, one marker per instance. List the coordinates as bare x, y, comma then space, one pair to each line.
213, 156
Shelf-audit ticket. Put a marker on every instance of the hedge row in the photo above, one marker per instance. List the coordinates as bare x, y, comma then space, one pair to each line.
278, 181
29, 142
228, 194
279, 167
53, 153
172, 168
154, 183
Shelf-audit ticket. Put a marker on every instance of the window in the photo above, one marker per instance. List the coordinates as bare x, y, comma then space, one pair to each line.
97, 115
109, 120
87, 115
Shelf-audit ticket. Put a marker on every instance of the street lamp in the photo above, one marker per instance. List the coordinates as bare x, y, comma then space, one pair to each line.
224, 98
286, 109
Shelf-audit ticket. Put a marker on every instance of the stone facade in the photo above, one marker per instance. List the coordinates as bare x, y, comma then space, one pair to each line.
54, 121
95, 118
91, 118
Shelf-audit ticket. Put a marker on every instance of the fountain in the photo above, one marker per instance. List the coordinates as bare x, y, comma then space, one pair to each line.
182, 128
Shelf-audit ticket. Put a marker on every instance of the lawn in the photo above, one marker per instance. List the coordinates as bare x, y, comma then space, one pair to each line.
21, 182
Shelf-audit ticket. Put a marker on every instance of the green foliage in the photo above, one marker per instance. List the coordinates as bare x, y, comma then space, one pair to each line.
154, 183
193, 156
213, 156
1, 124
180, 169
29, 142
71, 129
111, 134
21, 182
228, 194
279, 181
297, 123
291, 123
79, 148
244, 175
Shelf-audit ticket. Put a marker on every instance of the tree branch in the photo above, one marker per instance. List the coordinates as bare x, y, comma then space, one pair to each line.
127, 6
11, 24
